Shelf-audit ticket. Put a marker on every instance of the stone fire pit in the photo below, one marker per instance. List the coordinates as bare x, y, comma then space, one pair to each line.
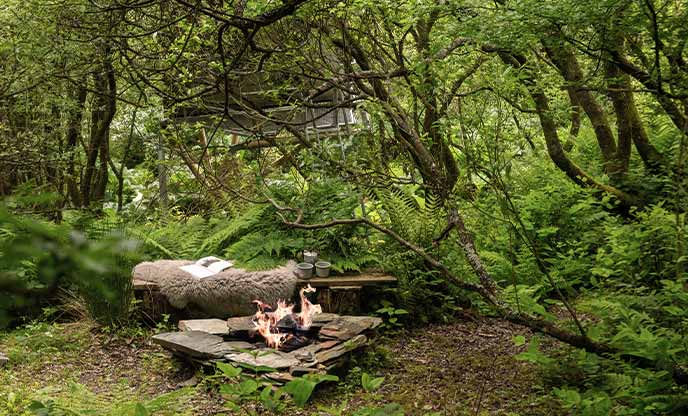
331, 338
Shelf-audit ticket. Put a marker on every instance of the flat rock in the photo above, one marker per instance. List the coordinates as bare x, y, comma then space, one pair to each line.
281, 377
339, 350
273, 359
240, 345
195, 344
4, 360
299, 371
241, 326
320, 319
328, 344
346, 327
211, 326
307, 355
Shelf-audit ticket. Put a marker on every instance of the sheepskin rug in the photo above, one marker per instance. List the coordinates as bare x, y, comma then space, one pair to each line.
228, 293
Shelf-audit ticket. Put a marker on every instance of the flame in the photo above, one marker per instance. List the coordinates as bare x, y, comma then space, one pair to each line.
305, 318
266, 319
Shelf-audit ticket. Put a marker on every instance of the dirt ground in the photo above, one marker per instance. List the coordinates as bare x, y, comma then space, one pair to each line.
464, 368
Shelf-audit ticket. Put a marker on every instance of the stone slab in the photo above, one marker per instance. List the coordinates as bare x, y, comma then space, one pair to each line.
299, 371
347, 327
280, 377
211, 326
339, 350
268, 358
241, 326
4, 360
324, 318
240, 345
195, 344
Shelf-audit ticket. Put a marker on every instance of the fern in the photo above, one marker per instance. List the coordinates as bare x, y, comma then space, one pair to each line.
177, 240
253, 250
413, 218
226, 233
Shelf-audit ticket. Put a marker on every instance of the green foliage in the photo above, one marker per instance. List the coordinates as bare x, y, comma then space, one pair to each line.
640, 252
412, 215
370, 384
165, 404
243, 387
391, 315
302, 388
38, 257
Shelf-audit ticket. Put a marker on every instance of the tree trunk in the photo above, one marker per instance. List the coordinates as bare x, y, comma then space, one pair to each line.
567, 64
162, 175
549, 129
629, 124
72, 142
94, 182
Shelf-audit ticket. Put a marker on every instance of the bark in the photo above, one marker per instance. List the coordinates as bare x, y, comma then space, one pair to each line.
630, 128
436, 165
575, 118
469, 250
568, 65
665, 101
104, 108
103, 169
622, 100
72, 143
549, 129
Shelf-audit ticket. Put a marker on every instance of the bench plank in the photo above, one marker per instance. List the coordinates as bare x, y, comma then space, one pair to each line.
366, 279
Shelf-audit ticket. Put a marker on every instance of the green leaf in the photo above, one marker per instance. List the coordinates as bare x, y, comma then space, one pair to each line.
300, 390
258, 368
519, 340
248, 387
39, 409
141, 410
371, 384
232, 406
228, 369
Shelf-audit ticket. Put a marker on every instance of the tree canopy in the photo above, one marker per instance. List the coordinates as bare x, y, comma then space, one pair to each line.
524, 159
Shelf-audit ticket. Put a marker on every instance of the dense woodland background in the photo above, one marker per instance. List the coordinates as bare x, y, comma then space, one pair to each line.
519, 159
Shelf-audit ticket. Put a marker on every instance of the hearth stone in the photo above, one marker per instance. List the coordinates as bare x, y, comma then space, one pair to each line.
346, 327
332, 338
268, 358
196, 344
299, 371
337, 351
241, 327
211, 326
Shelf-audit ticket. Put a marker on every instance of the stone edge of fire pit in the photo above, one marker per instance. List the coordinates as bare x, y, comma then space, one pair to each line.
343, 334
198, 344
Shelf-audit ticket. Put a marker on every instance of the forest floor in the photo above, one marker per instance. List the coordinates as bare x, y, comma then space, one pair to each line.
464, 368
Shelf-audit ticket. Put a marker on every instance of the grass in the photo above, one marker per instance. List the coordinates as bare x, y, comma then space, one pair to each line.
460, 369
83, 371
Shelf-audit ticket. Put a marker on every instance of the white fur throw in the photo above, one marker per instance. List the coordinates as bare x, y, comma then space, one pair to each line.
228, 293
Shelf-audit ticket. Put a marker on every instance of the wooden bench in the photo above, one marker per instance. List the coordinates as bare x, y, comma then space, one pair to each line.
336, 294
342, 293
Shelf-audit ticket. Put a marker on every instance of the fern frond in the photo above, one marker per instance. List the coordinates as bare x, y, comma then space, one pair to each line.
223, 236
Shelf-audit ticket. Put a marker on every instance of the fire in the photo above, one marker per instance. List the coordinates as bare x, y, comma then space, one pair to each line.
305, 318
266, 318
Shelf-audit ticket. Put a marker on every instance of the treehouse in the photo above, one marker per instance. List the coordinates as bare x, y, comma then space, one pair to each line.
264, 105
